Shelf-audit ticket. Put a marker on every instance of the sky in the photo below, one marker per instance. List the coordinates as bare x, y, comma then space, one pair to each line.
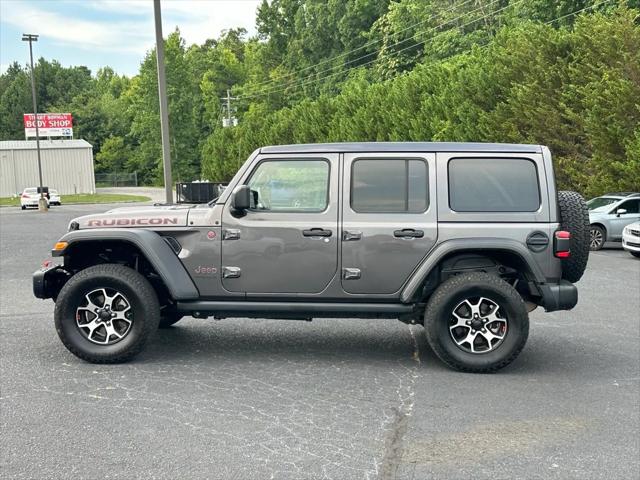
117, 33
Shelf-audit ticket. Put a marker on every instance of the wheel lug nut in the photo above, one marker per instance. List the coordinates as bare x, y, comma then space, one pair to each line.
468, 322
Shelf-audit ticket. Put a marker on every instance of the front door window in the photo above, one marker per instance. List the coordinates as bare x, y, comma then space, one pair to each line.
290, 186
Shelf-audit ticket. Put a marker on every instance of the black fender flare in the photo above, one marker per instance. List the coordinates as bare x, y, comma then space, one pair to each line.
463, 245
157, 252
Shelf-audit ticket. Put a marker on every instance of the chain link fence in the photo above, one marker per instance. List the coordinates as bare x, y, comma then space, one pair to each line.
116, 179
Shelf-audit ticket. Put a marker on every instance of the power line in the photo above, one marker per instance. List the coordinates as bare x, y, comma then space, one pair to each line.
229, 121
307, 80
372, 42
294, 82
577, 11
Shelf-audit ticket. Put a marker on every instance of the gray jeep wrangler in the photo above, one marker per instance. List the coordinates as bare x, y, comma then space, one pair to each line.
462, 238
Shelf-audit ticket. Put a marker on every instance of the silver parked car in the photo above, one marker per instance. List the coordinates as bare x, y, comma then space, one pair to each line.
609, 214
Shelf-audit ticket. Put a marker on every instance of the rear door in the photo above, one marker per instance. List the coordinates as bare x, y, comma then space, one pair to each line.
389, 219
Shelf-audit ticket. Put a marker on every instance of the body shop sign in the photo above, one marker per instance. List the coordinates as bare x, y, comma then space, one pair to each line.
49, 125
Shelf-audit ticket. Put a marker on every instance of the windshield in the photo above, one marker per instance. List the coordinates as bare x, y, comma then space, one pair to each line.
599, 202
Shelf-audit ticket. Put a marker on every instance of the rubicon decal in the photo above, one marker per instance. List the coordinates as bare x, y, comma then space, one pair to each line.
126, 222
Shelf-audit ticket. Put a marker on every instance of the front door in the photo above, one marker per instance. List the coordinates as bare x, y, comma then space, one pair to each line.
389, 219
618, 222
287, 241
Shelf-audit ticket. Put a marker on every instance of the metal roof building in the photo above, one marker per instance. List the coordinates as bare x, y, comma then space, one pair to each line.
67, 166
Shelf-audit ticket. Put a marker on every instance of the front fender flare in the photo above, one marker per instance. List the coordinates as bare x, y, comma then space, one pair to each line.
462, 245
157, 252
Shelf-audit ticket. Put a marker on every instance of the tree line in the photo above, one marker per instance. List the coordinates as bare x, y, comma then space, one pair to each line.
560, 73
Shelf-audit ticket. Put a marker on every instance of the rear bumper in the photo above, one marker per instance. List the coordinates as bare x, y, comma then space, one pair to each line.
48, 281
558, 296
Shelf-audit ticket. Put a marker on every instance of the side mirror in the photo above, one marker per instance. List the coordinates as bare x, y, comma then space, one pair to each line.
241, 199
620, 211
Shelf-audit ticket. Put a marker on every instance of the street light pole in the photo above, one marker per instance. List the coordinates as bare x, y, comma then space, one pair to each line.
43, 206
164, 109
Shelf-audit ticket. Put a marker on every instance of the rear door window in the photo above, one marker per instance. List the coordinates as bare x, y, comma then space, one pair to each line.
389, 186
493, 185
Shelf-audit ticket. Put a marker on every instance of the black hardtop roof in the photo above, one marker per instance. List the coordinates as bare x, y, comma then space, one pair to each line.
374, 147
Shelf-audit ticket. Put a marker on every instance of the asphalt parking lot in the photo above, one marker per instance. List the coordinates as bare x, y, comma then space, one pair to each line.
343, 399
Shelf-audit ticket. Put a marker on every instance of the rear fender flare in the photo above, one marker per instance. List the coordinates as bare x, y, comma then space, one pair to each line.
464, 245
157, 252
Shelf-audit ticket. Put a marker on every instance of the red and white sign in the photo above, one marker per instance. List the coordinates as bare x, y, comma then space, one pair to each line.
49, 125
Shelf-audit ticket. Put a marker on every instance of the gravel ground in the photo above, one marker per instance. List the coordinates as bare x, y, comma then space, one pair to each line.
343, 399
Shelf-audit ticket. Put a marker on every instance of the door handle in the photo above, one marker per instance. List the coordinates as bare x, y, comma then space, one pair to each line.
317, 232
408, 233
351, 236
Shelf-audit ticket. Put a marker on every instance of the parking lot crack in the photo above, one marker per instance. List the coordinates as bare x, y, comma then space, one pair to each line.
399, 421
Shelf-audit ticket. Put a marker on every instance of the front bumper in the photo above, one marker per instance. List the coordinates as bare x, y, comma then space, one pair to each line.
558, 296
630, 242
48, 281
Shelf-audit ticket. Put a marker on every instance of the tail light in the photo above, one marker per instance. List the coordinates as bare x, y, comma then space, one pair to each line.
562, 244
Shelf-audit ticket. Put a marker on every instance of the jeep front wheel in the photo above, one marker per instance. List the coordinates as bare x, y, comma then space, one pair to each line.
106, 313
476, 322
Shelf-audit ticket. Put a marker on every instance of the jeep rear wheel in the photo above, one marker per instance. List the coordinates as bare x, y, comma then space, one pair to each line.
476, 322
106, 313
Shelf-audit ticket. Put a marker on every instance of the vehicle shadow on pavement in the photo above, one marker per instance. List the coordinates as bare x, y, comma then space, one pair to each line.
212, 341
370, 342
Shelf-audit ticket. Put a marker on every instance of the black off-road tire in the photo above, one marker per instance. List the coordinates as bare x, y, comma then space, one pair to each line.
574, 218
144, 305
635, 254
23, 207
439, 313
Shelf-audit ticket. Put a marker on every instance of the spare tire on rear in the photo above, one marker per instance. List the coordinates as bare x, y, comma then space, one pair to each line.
574, 218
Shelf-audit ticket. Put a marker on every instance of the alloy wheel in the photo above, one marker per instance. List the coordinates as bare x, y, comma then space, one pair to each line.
477, 325
105, 317
596, 239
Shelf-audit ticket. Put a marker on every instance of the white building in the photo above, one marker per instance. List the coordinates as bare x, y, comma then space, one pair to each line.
67, 166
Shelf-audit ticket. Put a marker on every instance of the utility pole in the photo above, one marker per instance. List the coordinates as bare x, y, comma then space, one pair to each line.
229, 121
164, 109
43, 206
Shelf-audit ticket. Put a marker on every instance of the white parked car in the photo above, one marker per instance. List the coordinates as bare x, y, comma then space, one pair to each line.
631, 239
54, 197
30, 197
